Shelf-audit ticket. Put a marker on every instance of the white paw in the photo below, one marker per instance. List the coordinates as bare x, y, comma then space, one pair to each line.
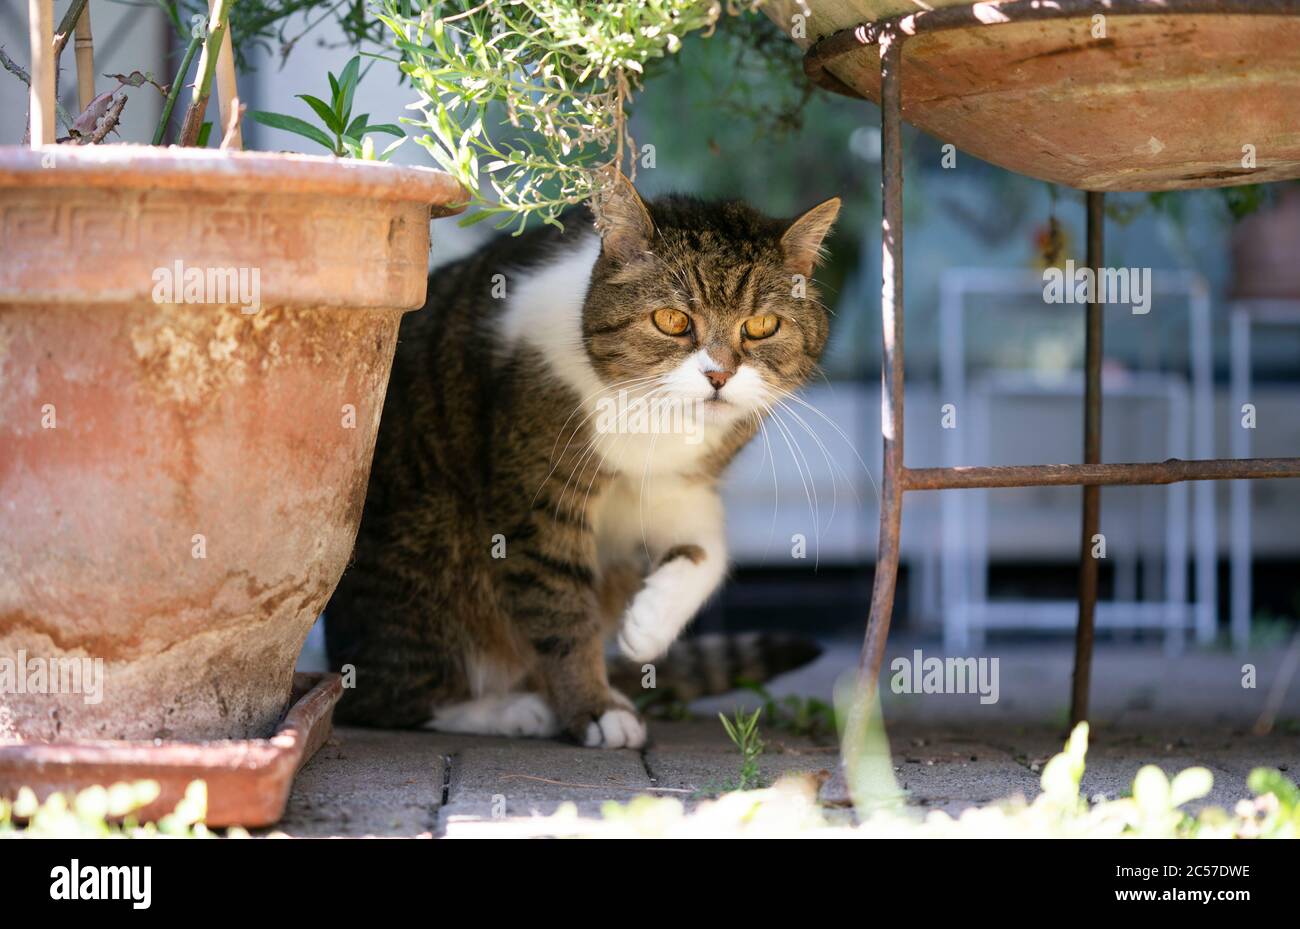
616, 728
515, 715
528, 715
641, 637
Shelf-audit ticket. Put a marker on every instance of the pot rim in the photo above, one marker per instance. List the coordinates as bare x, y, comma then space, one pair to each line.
152, 167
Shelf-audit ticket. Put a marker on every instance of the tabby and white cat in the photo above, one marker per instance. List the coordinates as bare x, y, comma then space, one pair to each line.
512, 524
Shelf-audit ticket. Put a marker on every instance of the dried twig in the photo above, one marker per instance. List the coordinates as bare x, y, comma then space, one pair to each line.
20, 72
98, 119
107, 123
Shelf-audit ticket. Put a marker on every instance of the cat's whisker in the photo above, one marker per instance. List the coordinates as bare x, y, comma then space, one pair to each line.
831, 465
810, 492
592, 448
837, 472
847, 441
625, 437
645, 470
776, 490
555, 463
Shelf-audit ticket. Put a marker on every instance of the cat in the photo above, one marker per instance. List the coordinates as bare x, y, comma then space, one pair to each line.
516, 517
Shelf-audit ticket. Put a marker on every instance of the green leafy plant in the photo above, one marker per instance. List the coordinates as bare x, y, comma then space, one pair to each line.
105, 812
743, 732
559, 75
804, 716
343, 134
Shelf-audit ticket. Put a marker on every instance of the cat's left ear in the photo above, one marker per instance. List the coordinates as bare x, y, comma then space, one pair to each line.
802, 242
625, 227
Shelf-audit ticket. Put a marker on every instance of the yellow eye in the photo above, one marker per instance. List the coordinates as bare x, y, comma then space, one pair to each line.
671, 322
760, 327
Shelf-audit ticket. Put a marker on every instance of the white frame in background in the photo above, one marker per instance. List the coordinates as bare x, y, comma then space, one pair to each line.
969, 613
954, 285
1244, 314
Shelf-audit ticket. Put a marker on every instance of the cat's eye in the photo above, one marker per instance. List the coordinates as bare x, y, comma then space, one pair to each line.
760, 327
671, 322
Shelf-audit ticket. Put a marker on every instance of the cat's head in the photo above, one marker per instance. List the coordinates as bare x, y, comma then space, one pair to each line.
706, 303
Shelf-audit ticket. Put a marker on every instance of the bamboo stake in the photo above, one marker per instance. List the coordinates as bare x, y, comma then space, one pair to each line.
227, 93
203, 77
85, 51
40, 16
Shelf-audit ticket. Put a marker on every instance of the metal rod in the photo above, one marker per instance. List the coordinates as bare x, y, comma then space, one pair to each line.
863, 712
1088, 561
1171, 471
891, 402
998, 12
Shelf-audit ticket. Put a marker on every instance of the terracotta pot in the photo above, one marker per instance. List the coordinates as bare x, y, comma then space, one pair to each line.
1264, 249
1161, 101
181, 482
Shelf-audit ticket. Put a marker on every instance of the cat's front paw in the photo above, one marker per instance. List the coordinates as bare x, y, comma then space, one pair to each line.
616, 726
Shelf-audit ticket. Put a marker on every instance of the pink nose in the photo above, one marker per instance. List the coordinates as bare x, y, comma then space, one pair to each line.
718, 378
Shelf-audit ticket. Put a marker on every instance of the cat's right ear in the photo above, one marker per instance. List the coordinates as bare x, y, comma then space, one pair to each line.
625, 225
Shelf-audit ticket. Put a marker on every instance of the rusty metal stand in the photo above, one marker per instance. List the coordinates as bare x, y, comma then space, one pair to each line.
889, 36
1088, 567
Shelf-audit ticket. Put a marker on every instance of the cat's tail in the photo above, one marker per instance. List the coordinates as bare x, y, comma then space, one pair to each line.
706, 665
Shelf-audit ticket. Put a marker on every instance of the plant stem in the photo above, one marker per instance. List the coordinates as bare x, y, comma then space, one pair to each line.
220, 10
175, 89
66, 26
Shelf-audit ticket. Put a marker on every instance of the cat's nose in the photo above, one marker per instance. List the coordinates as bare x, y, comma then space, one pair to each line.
718, 378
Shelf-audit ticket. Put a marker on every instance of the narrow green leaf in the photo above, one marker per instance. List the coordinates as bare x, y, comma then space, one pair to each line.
292, 124
357, 128
322, 109
348, 86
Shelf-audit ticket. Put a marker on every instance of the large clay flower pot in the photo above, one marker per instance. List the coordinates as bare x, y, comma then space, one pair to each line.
181, 481
1175, 95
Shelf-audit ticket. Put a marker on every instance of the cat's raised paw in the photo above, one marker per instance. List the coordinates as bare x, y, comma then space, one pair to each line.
616, 728
640, 638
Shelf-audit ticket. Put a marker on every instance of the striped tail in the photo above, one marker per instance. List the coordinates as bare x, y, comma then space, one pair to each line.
705, 665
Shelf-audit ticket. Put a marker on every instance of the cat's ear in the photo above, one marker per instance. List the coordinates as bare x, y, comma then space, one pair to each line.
802, 242
625, 225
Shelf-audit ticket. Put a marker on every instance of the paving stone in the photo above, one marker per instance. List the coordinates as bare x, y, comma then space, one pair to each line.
367, 782
948, 752
696, 757
518, 779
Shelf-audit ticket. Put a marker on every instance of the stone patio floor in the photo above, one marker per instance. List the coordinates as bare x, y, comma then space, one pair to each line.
949, 751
